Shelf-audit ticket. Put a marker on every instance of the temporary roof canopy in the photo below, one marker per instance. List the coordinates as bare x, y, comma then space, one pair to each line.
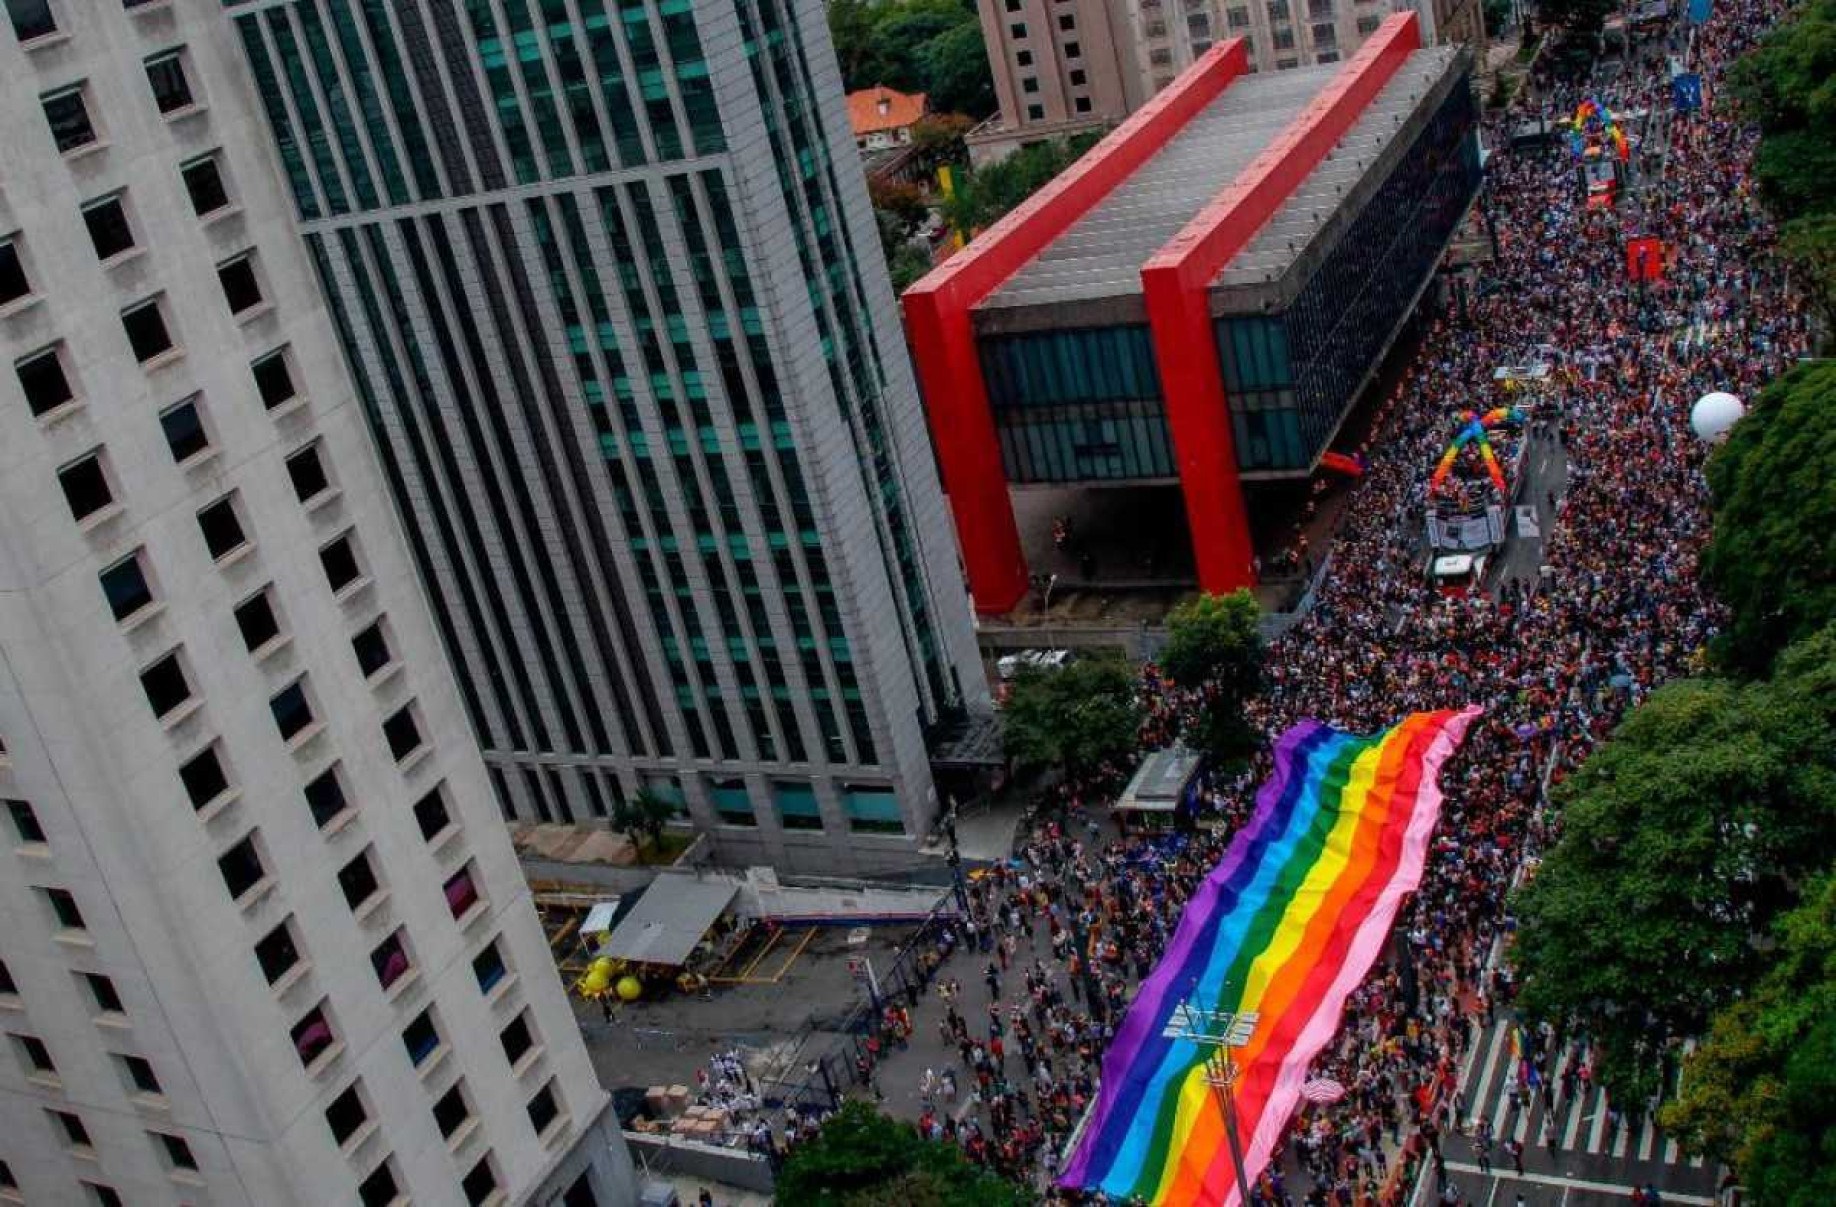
1160, 783
669, 920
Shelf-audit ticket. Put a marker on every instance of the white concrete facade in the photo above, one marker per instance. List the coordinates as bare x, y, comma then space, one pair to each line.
88, 763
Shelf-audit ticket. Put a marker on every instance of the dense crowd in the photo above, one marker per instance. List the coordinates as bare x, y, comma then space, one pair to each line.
1060, 938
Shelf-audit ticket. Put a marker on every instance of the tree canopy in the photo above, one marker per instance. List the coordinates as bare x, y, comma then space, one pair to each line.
1760, 1093
1585, 17
1215, 642
1686, 836
862, 1158
1075, 717
929, 46
1788, 84
984, 195
1773, 556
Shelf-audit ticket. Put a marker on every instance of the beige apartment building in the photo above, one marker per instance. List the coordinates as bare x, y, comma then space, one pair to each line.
1065, 66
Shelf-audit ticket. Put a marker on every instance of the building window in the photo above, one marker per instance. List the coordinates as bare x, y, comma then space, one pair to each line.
242, 869
109, 232
1367, 25
312, 1035
183, 426
178, 1153
403, 733
325, 798
171, 90
379, 1189
1029, 84
451, 1112
25, 822
1081, 104
204, 185
86, 488
517, 1040
1077, 77
165, 685
1067, 21
68, 116
32, 19
390, 959
346, 1114
480, 1184
8, 986
256, 621
1284, 40
1017, 31
104, 1196
277, 953
461, 889
204, 778
421, 1038
75, 1134
1327, 56
339, 560
292, 710
222, 528
102, 992
371, 646
1023, 58
1278, 10
358, 881
64, 909
1325, 35
146, 331
35, 1056
1035, 113
241, 289
307, 473
488, 967
543, 1110
42, 379
274, 380
431, 815
139, 1074
13, 283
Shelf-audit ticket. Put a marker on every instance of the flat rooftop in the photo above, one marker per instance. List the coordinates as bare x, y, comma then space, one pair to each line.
1101, 255
1276, 245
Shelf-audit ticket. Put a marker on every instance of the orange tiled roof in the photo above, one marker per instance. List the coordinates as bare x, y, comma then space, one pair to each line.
880, 108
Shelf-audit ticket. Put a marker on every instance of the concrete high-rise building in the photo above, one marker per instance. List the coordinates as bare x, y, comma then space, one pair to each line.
1064, 66
609, 284
265, 940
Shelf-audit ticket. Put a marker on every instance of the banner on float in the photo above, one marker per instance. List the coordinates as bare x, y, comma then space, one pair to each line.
1285, 928
1699, 11
1686, 92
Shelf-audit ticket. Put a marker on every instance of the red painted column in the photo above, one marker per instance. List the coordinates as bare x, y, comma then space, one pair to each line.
942, 333
1176, 283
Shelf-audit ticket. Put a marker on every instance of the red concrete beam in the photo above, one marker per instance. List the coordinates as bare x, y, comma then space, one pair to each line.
938, 323
1176, 283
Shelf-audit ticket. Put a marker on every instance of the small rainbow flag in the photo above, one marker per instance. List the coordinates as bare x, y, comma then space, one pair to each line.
1286, 926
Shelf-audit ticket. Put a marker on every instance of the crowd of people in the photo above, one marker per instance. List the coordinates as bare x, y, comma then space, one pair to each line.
1060, 939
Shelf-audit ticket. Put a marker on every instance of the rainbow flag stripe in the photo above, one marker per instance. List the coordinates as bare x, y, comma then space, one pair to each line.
1287, 925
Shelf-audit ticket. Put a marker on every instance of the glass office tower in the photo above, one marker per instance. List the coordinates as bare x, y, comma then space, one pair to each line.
608, 281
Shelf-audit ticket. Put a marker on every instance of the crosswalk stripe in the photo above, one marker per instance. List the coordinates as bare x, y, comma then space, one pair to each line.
1479, 1097
1598, 1098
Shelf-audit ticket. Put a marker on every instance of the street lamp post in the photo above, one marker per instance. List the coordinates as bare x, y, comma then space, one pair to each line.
1218, 1032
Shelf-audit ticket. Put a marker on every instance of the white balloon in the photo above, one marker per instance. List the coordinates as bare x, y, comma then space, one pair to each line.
1714, 415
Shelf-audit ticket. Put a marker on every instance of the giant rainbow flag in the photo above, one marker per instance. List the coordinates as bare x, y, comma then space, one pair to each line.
1286, 925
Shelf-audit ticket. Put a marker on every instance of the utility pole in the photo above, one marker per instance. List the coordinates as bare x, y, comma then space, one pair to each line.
1218, 1032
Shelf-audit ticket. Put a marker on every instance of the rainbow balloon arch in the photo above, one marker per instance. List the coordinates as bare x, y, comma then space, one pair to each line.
1474, 429
1282, 931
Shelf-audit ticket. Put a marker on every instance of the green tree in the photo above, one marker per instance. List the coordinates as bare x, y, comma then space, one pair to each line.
1686, 836
1074, 717
955, 71
1760, 1093
1788, 84
1809, 244
1216, 641
1773, 556
643, 814
989, 192
938, 139
1584, 17
862, 1158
